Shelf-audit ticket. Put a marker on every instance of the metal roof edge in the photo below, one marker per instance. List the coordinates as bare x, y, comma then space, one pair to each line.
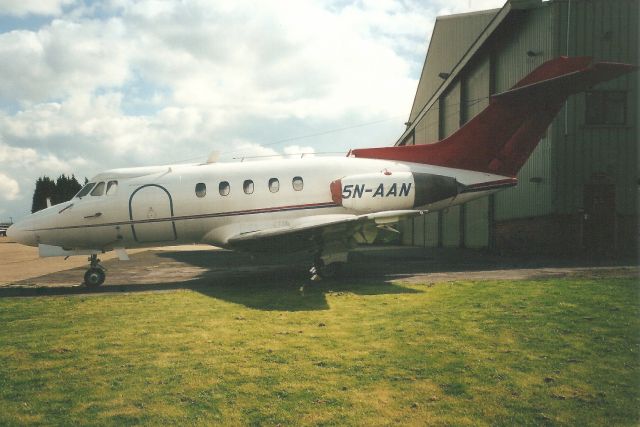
424, 65
484, 35
465, 14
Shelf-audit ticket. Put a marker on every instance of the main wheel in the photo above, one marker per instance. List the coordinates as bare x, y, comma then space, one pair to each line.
94, 277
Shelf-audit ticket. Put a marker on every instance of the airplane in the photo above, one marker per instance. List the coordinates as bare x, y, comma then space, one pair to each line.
317, 206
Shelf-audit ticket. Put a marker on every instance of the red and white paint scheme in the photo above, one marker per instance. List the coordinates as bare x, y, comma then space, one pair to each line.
318, 205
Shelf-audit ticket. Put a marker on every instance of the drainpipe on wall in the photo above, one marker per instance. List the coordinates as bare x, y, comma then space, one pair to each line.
566, 105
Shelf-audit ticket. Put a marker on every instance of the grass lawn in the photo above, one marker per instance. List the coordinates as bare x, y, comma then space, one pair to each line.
551, 352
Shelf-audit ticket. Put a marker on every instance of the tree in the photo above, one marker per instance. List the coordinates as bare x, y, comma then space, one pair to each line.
66, 188
45, 188
63, 189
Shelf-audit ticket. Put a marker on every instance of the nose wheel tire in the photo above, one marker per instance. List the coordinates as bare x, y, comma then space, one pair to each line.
94, 277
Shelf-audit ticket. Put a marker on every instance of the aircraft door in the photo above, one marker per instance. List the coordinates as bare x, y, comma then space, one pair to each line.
151, 213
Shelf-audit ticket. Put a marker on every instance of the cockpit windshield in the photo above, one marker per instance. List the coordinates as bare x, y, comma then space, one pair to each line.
98, 190
85, 190
112, 187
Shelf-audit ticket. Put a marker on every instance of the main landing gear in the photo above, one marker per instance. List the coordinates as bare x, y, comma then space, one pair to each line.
96, 273
326, 270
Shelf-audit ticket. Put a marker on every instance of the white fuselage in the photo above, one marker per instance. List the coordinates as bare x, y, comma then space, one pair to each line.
167, 205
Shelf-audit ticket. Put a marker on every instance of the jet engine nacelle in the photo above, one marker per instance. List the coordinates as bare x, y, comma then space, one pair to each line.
392, 190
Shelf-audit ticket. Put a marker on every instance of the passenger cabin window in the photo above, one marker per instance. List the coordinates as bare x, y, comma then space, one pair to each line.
112, 187
274, 185
224, 188
297, 183
201, 189
85, 190
248, 186
98, 190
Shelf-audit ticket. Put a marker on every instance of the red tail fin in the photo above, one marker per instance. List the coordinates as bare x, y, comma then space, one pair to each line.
501, 138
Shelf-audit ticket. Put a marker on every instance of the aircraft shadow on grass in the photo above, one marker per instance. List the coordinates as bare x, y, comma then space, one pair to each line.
229, 276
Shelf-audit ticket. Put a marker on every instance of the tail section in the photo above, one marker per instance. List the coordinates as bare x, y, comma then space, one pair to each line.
501, 138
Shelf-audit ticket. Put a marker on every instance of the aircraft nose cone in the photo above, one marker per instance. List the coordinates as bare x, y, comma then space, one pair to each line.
19, 234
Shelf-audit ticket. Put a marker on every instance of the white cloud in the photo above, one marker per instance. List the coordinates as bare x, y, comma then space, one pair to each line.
63, 58
28, 159
129, 83
35, 7
17, 156
245, 150
9, 188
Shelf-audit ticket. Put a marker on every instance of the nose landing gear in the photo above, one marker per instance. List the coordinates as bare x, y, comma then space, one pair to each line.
96, 273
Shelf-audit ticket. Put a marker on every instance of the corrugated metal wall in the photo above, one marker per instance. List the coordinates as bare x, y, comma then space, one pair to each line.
528, 42
426, 130
476, 225
476, 88
476, 83
553, 179
450, 111
607, 30
451, 227
451, 37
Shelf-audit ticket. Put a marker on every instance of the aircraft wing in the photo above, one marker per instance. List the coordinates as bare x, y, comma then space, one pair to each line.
318, 231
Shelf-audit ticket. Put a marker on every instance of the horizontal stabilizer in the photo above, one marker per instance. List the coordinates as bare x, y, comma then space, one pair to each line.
566, 84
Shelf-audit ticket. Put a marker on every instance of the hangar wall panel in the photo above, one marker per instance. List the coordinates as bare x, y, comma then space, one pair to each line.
451, 227
476, 88
418, 231
450, 111
607, 30
431, 230
426, 131
529, 32
534, 194
550, 194
424, 231
476, 223
406, 232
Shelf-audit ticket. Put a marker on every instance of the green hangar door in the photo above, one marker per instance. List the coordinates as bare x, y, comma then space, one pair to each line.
151, 214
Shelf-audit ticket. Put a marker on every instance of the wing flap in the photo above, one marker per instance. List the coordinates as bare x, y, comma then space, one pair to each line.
300, 226
313, 232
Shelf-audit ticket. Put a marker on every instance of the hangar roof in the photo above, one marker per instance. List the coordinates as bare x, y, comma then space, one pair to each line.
452, 36
463, 34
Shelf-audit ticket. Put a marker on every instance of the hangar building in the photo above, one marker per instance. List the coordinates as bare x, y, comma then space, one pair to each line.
578, 193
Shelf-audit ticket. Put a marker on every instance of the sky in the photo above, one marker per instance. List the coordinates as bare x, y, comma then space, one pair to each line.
92, 85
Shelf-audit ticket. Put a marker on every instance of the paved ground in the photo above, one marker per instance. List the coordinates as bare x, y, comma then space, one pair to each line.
22, 273
19, 262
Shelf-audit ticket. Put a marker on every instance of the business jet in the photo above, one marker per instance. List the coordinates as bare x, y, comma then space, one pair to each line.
318, 206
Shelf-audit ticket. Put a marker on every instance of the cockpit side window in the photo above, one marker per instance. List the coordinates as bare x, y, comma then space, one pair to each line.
112, 187
98, 190
85, 190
